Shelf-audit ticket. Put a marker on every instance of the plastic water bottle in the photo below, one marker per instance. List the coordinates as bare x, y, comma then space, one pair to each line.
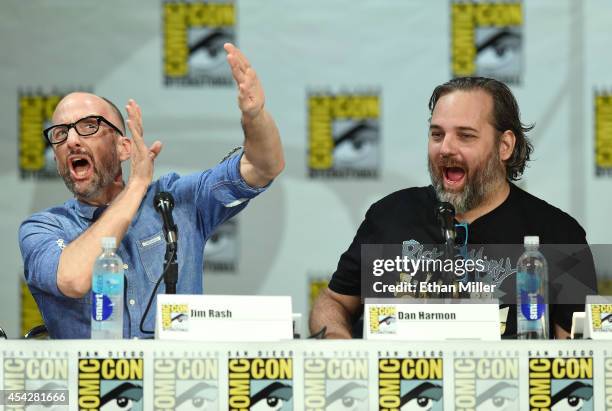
532, 292
107, 293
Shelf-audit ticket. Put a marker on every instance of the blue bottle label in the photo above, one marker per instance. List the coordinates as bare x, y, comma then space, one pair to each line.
101, 306
532, 305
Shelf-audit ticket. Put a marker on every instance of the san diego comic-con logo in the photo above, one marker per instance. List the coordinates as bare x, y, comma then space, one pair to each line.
487, 39
343, 135
185, 384
382, 319
484, 384
563, 383
175, 317
335, 384
35, 153
194, 34
410, 384
111, 384
260, 384
30, 315
608, 381
601, 315
603, 133
29, 374
221, 251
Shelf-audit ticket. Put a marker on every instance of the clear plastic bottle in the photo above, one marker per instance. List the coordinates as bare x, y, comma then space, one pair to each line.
107, 293
532, 292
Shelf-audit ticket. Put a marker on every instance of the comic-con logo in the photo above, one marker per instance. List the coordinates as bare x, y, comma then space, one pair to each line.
561, 383
185, 384
30, 315
335, 384
35, 153
486, 40
344, 135
175, 317
111, 383
486, 384
194, 34
382, 319
410, 384
21, 374
221, 250
601, 315
603, 133
260, 384
316, 284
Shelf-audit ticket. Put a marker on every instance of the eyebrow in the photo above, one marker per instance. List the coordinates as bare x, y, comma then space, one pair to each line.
460, 128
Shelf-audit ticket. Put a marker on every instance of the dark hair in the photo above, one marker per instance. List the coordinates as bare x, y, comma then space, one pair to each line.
505, 116
118, 112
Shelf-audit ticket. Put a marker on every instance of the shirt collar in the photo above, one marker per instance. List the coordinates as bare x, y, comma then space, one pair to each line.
85, 210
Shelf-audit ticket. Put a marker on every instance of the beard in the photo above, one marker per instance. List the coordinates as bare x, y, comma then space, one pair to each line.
479, 185
101, 178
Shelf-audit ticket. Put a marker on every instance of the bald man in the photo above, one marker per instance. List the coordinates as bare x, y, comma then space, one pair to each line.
60, 245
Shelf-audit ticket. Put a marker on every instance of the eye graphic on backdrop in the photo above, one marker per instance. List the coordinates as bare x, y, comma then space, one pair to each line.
122, 397
200, 396
271, 397
351, 396
206, 47
498, 49
422, 397
572, 397
356, 144
501, 396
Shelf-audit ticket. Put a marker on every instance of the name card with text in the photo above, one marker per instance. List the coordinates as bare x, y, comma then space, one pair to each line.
223, 318
598, 324
431, 321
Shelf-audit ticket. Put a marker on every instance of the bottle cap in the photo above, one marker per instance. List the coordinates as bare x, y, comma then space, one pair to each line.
532, 240
109, 242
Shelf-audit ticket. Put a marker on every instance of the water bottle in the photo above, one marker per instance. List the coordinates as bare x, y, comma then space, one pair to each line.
532, 292
107, 293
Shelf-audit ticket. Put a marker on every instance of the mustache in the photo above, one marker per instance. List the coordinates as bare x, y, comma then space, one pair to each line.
450, 162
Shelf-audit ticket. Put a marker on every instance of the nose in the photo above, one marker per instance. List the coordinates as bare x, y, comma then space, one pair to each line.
449, 145
73, 140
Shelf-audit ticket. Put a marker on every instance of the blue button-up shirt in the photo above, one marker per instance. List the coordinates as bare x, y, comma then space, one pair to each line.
202, 202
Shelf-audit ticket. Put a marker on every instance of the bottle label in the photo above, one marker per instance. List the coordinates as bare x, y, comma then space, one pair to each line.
101, 306
532, 305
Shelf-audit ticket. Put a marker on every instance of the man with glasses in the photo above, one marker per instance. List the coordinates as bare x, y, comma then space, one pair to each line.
59, 245
477, 146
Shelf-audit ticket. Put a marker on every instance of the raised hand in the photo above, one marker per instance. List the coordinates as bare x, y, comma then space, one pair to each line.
250, 92
142, 157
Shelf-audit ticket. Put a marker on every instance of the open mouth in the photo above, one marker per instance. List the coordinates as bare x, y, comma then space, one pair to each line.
80, 167
453, 176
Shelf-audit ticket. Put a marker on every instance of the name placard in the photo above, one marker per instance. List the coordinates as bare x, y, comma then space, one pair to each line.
598, 317
424, 321
223, 318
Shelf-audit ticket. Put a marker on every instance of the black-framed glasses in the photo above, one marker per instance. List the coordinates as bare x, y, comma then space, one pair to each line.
84, 127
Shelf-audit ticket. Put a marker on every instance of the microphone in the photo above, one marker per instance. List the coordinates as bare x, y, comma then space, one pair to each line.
164, 203
445, 213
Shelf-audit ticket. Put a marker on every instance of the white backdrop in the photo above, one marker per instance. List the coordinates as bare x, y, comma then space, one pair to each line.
398, 51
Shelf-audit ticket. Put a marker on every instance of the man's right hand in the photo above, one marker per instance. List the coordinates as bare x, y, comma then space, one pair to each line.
142, 157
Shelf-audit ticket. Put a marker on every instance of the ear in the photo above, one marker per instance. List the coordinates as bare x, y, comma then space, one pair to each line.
124, 148
506, 145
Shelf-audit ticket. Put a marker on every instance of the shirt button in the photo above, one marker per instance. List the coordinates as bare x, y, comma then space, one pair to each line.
132, 302
125, 266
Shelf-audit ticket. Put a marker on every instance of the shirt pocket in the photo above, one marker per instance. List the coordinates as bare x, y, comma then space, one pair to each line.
151, 250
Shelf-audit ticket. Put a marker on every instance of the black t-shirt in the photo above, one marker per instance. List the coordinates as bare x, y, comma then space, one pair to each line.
409, 214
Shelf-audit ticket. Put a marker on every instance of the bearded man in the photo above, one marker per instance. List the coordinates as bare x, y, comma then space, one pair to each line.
59, 245
477, 146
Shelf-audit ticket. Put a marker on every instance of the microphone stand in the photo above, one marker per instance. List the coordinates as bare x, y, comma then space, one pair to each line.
171, 271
